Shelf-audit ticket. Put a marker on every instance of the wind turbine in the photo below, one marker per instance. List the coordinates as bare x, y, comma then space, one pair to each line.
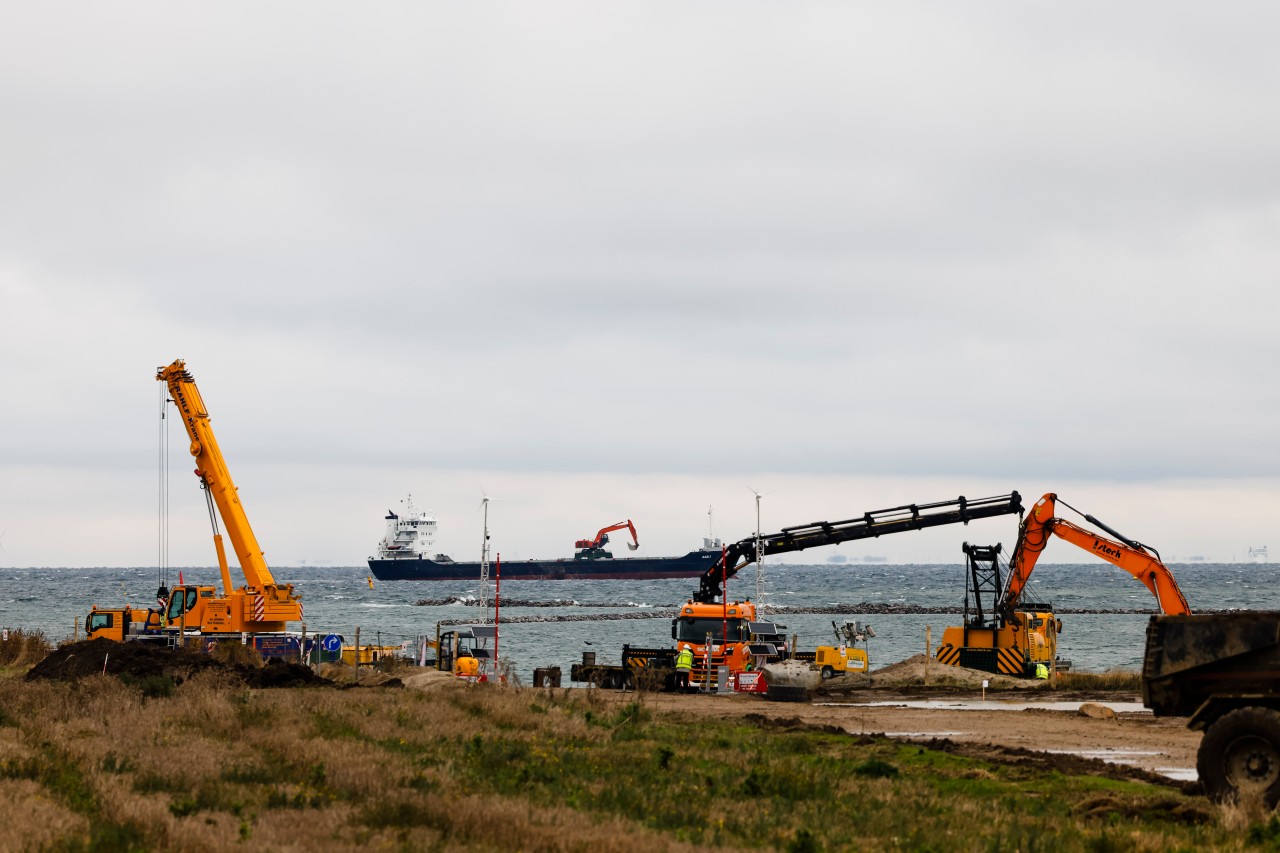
484, 554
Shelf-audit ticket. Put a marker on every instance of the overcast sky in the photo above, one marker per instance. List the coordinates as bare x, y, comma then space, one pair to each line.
608, 261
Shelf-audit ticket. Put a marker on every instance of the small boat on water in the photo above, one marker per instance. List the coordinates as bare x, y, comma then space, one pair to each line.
406, 553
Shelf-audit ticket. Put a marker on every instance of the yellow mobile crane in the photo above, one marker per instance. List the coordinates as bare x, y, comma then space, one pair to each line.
260, 605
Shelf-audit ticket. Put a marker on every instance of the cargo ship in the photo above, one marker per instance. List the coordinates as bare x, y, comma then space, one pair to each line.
405, 554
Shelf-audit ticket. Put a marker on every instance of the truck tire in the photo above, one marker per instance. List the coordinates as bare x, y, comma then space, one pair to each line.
827, 673
1239, 757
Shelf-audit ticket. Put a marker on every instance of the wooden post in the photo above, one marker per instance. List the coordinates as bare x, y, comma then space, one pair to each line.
928, 648
356, 659
302, 647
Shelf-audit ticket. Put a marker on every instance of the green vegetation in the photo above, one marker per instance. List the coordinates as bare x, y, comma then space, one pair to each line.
103, 765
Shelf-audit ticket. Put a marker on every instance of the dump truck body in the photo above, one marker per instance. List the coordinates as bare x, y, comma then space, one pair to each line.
1203, 666
1222, 671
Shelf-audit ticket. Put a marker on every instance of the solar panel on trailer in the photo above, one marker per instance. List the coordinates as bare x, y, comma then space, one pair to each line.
762, 628
763, 649
483, 632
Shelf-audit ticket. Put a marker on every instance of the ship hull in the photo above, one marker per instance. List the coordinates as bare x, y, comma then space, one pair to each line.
691, 565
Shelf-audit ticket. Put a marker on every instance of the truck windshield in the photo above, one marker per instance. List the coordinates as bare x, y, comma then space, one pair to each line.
692, 630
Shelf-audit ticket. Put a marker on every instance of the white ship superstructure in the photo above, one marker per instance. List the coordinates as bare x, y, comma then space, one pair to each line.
1258, 554
410, 535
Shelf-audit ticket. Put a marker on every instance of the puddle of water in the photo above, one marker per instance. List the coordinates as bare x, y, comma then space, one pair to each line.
1127, 756
992, 705
1181, 774
1105, 752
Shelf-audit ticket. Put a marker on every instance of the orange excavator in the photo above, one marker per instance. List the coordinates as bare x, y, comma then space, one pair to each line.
1016, 636
593, 549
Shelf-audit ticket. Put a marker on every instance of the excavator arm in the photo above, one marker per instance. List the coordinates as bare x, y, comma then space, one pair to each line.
1134, 557
871, 524
211, 468
604, 531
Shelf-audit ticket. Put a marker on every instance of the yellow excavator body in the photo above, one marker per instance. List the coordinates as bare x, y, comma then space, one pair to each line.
1014, 649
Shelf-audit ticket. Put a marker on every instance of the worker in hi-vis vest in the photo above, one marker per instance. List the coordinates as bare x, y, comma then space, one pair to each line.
684, 663
1042, 671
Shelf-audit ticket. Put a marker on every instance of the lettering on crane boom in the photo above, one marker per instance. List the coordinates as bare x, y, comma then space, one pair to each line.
1099, 546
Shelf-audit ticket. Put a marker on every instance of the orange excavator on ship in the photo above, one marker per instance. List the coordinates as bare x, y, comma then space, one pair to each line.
593, 549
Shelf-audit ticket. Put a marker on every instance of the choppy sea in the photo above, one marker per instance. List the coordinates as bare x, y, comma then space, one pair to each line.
338, 600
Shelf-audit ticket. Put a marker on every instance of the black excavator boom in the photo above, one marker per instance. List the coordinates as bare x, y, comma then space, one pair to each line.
870, 525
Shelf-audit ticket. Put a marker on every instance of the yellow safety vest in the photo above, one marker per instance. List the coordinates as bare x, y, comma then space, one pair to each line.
1042, 671
684, 660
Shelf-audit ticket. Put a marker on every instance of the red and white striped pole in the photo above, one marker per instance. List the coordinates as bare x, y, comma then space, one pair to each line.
497, 604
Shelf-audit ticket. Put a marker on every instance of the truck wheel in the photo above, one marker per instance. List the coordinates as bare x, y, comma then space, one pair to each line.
1239, 757
827, 672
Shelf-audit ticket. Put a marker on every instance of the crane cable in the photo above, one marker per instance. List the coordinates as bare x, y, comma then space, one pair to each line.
162, 509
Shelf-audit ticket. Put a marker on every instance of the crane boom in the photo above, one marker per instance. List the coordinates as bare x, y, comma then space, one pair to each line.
211, 468
1134, 557
605, 531
869, 525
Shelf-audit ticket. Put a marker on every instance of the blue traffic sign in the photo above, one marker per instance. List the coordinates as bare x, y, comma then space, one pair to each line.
331, 643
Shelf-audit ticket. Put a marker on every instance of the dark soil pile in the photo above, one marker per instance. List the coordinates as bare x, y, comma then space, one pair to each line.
135, 662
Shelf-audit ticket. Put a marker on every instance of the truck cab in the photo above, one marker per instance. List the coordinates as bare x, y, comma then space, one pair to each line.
729, 628
123, 623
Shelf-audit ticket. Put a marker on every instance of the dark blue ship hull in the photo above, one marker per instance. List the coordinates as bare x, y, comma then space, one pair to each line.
691, 565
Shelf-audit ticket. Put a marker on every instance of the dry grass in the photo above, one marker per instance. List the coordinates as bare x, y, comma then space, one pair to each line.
98, 765
1118, 681
23, 649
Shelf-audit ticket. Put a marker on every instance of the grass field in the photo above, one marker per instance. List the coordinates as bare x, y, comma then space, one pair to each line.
209, 765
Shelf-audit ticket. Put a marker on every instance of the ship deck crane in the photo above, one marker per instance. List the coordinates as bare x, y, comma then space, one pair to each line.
602, 537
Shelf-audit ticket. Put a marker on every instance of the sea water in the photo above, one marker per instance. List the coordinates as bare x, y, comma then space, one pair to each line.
339, 600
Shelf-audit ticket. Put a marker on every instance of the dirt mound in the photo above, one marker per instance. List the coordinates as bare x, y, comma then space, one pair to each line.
138, 661
911, 673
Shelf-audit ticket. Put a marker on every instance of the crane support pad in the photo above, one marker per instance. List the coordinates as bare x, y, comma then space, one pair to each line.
867, 526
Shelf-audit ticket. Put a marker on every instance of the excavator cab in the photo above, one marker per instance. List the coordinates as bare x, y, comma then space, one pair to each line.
463, 650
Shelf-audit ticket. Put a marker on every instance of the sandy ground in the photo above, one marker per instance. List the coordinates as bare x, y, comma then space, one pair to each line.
1162, 746
1008, 725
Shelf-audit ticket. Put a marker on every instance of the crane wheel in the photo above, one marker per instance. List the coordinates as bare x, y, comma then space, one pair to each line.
1239, 757
827, 673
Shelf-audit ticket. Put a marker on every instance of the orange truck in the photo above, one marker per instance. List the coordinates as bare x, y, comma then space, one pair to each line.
124, 623
718, 635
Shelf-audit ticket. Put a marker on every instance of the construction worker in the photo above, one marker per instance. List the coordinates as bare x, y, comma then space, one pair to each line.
1042, 672
684, 663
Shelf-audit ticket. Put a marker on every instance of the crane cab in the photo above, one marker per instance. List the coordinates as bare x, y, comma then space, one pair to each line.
188, 604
